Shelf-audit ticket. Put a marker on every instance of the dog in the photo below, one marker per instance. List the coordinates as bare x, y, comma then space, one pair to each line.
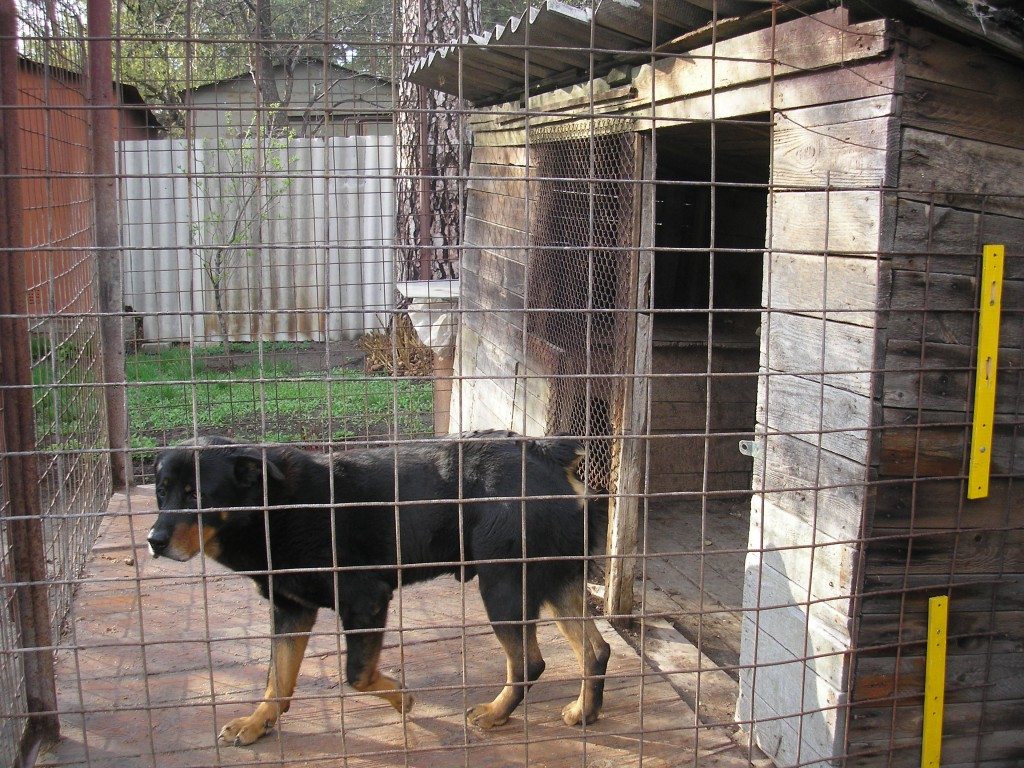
320, 532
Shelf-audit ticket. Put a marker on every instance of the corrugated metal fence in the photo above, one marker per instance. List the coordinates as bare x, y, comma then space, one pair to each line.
289, 240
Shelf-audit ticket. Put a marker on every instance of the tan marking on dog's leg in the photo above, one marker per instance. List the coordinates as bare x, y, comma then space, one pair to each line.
387, 688
587, 644
504, 704
285, 659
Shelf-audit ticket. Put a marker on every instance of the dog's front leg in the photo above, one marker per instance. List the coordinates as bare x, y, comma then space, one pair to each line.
364, 615
291, 635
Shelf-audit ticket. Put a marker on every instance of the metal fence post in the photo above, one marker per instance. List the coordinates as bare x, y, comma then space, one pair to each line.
21, 473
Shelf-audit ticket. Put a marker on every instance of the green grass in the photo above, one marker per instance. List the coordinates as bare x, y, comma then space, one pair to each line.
179, 392
173, 392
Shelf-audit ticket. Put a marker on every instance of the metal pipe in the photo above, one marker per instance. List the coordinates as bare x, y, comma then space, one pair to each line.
110, 294
19, 462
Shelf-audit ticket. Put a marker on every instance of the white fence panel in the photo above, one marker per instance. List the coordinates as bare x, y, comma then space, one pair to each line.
288, 243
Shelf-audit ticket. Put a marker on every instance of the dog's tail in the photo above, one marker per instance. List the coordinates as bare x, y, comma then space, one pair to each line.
566, 452
569, 454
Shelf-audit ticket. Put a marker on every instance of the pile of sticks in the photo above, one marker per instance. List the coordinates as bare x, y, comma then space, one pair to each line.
397, 351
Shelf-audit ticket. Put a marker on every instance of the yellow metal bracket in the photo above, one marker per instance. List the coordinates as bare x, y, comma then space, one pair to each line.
934, 681
990, 304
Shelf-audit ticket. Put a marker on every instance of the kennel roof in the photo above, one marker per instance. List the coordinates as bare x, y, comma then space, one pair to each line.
554, 44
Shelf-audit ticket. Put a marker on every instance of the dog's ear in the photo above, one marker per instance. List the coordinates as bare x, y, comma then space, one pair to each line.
249, 467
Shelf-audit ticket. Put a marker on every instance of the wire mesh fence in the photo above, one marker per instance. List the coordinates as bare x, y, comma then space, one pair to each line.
632, 344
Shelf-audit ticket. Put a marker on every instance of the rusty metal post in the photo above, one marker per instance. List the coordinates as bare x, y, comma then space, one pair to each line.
20, 471
108, 242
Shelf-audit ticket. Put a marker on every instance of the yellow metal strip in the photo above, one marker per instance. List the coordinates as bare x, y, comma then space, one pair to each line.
985, 374
934, 681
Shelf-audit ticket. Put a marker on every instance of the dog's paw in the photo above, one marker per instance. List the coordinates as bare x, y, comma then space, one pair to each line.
572, 714
485, 716
245, 730
402, 703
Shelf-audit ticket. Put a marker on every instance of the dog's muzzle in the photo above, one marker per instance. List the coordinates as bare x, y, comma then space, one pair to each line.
159, 540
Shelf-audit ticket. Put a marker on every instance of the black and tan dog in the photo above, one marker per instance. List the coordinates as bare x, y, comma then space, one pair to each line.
314, 533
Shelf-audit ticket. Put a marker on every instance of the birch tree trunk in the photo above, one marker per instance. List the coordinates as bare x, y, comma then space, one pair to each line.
432, 145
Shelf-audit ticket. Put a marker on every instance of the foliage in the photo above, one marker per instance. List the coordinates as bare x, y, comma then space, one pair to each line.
167, 47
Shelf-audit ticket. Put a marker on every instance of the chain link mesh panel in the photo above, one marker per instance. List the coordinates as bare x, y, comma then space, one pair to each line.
579, 284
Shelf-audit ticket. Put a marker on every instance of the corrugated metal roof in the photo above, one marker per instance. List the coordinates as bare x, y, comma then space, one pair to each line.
556, 44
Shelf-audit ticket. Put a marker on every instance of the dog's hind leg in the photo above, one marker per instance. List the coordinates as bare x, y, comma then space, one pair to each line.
291, 635
502, 594
591, 649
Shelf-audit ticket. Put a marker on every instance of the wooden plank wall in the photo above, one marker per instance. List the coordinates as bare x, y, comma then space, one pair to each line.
960, 135
493, 387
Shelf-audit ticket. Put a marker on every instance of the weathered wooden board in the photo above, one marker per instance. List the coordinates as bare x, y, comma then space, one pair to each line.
939, 377
728, 414
801, 717
490, 295
840, 222
821, 488
691, 582
895, 593
843, 288
941, 307
964, 112
970, 632
627, 473
802, 407
706, 688
509, 212
847, 144
507, 161
940, 449
500, 179
996, 677
509, 273
810, 43
943, 552
859, 80
926, 504
783, 609
482, 357
948, 62
488, 234
675, 454
839, 354
983, 749
814, 42
955, 172
802, 646
933, 238
818, 566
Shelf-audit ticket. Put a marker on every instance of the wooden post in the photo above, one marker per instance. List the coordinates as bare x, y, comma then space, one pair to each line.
108, 267
628, 449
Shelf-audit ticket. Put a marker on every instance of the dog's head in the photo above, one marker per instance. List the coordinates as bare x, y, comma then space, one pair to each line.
203, 486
